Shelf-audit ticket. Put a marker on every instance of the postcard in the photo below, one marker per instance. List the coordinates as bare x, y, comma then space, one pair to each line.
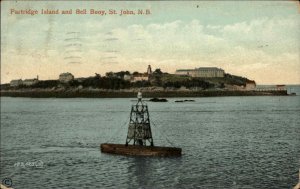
150, 94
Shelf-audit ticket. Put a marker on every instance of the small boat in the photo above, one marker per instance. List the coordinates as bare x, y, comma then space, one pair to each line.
140, 135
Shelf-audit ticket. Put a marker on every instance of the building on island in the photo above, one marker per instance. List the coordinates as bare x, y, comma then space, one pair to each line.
142, 76
26, 82
202, 72
127, 77
66, 77
250, 85
29, 82
184, 72
280, 87
16, 83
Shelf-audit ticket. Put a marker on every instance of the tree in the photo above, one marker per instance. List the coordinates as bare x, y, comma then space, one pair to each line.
135, 73
109, 74
97, 76
158, 71
122, 73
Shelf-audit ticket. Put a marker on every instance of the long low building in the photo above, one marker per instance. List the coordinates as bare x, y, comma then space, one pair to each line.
202, 72
29, 82
16, 83
26, 82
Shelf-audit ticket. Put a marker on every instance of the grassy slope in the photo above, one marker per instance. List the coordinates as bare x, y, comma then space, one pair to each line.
228, 79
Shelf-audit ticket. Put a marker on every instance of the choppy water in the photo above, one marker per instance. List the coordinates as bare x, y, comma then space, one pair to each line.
228, 142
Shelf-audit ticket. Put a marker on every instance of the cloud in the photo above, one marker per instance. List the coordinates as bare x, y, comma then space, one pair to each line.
242, 48
280, 34
109, 57
111, 39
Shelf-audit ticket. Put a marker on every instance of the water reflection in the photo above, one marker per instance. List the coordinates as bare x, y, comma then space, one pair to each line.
139, 172
146, 172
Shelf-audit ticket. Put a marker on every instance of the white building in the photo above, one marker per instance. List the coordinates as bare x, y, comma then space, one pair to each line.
66, 77
184, 72
127, 77
202, 72
16, 83
29, 82
250, 85
280, 87
140, 77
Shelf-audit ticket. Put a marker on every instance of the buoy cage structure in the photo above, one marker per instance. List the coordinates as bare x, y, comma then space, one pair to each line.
139, 141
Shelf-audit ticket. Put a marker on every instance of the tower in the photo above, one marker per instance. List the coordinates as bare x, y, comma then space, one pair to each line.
149, 70
139, 130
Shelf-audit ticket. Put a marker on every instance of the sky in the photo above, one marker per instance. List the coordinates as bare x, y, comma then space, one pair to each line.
259, 40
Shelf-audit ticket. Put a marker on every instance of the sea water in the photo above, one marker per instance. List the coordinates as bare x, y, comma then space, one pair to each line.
227, 142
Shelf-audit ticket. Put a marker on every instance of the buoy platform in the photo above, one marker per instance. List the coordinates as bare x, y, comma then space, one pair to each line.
136, 150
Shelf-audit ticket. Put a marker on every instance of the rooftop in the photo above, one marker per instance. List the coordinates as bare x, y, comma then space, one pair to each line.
208, 68
201, 68
67, 73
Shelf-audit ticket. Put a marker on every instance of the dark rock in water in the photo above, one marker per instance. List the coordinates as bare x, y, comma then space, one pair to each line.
189, 100
158, 100
184, 100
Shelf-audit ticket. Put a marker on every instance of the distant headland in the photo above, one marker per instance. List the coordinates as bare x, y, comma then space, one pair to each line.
198, 82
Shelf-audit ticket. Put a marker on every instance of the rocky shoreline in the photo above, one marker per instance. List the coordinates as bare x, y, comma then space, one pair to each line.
132, 94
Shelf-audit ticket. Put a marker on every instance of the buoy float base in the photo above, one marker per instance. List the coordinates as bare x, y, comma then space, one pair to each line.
136, 150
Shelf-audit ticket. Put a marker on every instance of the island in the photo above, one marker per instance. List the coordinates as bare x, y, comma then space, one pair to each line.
198, 82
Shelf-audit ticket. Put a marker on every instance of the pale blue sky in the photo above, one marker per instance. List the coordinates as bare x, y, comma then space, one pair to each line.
255, 39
